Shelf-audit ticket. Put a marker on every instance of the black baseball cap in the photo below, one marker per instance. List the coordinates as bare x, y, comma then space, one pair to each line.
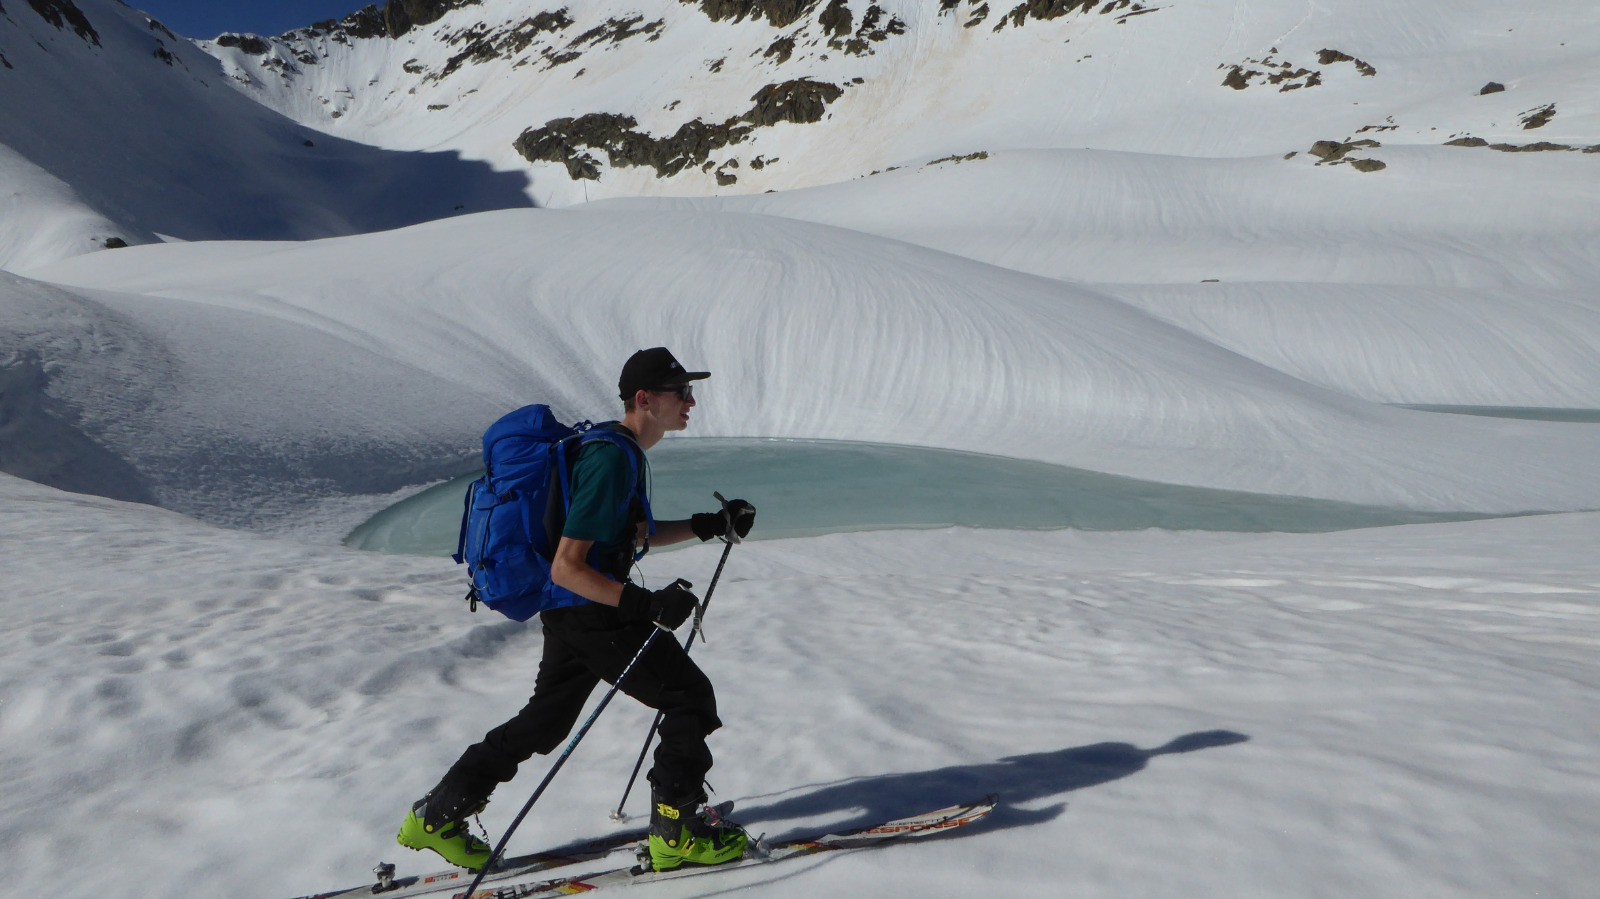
653, 369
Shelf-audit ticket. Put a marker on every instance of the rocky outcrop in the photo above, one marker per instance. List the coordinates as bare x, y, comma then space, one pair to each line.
873, 29
1045, 10
779, 13
484, 46
1538, 118
836, 20
1285, 75
568, 141
64, 14
246, 43
1329, 57
800, 101
1493, 87
1334, 152
1543, 146
400, 16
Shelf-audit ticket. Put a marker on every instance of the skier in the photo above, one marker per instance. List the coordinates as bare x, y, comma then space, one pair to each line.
595, 639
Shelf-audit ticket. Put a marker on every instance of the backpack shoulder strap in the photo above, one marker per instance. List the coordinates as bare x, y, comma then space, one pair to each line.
638, 466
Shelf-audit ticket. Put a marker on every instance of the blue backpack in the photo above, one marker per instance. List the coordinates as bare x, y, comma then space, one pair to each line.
512, 516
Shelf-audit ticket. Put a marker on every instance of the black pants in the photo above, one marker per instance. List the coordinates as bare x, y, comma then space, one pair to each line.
582, 646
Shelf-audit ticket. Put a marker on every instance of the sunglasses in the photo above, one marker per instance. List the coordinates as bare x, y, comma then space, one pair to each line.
684, 392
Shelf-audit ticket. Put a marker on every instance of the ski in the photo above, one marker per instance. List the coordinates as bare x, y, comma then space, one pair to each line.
517, 868
639, 873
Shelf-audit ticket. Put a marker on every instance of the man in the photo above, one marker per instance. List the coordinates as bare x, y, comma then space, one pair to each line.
595, 638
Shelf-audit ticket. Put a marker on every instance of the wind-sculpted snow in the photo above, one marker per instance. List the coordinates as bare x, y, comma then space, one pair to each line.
812, 331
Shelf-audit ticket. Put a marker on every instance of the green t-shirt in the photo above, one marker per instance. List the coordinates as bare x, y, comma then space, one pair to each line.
601, 510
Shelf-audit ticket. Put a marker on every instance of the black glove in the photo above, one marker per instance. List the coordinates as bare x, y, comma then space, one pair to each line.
715, 524
670, 606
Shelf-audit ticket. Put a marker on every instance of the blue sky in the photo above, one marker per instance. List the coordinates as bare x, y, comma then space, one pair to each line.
209, 18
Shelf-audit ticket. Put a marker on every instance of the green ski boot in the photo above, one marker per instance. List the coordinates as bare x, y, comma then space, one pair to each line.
692, 833
450, 838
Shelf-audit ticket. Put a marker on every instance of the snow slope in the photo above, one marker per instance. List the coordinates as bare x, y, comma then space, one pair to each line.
919, 81
1408, 288
1397, 712
812, 331
127, 131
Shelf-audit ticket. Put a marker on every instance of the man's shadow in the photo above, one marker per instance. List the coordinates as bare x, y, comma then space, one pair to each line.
1018, 780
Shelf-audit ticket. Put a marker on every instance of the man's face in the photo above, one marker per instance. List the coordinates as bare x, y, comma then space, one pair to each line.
670, 406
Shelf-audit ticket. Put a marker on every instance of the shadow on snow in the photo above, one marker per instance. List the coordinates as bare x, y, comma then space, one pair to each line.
1018, 780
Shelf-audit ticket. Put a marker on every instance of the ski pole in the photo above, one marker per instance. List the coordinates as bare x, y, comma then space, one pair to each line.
573, 744
617, 814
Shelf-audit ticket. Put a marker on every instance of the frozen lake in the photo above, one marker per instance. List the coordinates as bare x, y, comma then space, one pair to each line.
808, 487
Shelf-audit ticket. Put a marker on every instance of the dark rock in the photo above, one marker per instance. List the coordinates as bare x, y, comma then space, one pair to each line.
1538, 118
970, 157
1467, 142
165, 55
1367, 165
615, 31
783, 48
1543, 146
563, 140
800, 101
149, 23
1236, 79
308, 144
366, 22
1330, 149
869, 32
65, 14
115, 243
779, 13
1329, 57
836, 19
566, 140
1493, 87
247, 43
1045, 10
483, 45
400, 16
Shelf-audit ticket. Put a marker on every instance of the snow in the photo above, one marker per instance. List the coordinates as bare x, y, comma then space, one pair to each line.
1418, 704
202, 692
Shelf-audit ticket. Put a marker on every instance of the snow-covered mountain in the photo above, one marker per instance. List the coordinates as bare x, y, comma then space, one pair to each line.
115, 131
494, 103
741, 96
